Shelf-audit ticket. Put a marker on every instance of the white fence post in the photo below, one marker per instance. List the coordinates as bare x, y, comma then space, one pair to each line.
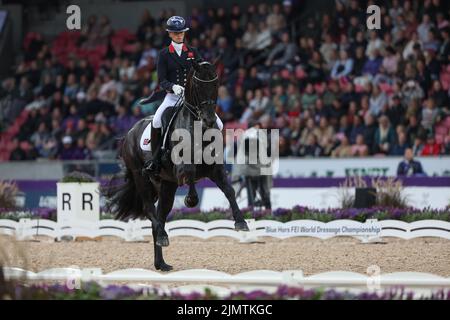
249, 236
133, 226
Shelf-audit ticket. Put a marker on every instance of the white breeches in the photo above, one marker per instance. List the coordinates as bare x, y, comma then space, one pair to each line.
169, 101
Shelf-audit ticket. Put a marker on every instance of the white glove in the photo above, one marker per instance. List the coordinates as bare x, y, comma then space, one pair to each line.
178, 90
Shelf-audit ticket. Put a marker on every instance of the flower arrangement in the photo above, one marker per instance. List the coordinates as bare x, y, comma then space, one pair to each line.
281, 214
8, 193
94, 291
389, 191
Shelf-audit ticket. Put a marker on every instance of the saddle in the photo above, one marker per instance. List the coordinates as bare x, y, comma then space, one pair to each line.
167, 120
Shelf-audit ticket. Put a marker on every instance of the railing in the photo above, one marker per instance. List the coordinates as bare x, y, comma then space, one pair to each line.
136, 230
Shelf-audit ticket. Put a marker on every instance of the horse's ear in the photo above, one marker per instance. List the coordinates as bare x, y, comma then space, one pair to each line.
196, 65
217, 60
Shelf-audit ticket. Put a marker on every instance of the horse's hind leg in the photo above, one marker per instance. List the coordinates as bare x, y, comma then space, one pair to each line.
160, 237
147, 192
219, 177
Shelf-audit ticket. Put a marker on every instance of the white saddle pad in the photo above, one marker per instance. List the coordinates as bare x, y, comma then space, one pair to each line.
145, 138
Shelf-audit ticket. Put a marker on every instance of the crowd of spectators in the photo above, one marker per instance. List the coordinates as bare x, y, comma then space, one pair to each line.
332, 87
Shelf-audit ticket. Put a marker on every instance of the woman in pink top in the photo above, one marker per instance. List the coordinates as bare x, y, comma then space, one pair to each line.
359, 149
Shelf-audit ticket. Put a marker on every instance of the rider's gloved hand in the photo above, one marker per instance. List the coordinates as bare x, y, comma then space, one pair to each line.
178, 90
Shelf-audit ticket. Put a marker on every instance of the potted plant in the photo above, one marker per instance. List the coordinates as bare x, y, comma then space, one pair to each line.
78, 198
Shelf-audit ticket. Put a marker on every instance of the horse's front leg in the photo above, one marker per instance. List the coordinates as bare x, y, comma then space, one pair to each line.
219, 177
186, 175
191, 199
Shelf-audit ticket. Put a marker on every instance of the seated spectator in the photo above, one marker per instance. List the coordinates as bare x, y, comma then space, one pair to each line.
424, 28
418, 146
431, 148
49, 149
17, 153
408, 51
264, 36
447, 144
324, 130
375, 44
309, 97
359, 62
438, 94
311, 148
71, 88
356, 129
328, 48
40, 137
344, 150
378, 101
373, 64
432, 43
250, 37
283, 53
284, 147
81, 152
124, 121
390, 61
396, 111
224, 102
307, 131
429, 114
384, 136
342, 67
68, 151
399, 148
275, 19
412, 91
409, 166
343, 129
359, 149
315, 68
257, 106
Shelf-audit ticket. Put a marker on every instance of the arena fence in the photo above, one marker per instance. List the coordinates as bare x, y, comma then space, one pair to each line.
222, 283
136, 230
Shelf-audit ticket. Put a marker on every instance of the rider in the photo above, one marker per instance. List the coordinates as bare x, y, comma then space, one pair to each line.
173, 66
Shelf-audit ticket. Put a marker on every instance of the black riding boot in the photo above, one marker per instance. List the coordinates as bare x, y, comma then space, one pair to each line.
153, 165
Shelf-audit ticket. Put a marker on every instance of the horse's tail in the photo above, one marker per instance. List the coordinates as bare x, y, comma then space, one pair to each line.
123, 198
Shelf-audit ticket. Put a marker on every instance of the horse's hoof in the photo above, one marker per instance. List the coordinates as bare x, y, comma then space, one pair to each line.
241, 226
162, 241
190, 202
163, 267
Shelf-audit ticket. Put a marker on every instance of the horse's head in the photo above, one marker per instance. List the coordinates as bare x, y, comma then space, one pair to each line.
202, 91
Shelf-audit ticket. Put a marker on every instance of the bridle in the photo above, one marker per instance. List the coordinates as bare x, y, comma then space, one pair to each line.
195, 109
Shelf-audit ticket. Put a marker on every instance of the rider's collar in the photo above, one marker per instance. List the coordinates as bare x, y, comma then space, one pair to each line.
177, 47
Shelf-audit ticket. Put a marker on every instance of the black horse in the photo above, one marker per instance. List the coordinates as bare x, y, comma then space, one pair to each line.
136, 197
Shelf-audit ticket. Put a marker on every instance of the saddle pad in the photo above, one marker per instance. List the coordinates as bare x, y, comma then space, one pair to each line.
145, 138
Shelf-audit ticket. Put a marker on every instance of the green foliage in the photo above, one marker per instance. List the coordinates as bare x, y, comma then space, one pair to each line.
79, 177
